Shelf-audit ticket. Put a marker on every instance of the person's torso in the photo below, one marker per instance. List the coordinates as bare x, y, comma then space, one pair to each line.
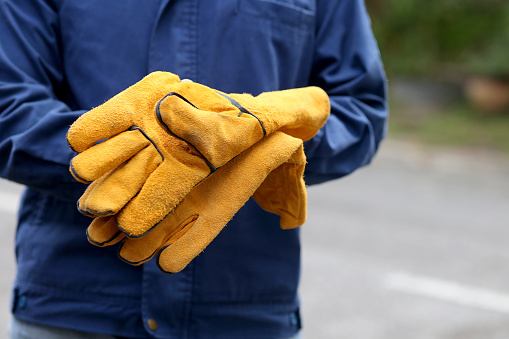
247, 278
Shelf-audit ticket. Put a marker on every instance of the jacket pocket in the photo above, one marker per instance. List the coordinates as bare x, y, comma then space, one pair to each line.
280, 12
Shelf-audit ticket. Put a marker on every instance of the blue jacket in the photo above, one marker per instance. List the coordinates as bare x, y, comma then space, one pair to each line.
59, 58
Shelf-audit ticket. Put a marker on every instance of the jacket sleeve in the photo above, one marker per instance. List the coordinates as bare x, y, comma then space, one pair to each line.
33, 117
348, 66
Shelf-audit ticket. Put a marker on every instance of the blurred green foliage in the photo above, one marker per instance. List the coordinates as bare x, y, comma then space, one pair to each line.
458, 125
442, 39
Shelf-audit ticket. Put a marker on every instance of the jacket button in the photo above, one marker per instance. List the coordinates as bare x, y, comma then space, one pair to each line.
294, 320
22, 302
152, 324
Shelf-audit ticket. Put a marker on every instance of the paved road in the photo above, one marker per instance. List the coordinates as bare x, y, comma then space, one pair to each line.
414, 246
9, 195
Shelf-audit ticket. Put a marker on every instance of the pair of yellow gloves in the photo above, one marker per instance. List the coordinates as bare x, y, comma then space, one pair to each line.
170, 163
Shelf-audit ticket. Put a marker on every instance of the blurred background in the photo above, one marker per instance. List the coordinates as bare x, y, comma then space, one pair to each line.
448, 68
416, 245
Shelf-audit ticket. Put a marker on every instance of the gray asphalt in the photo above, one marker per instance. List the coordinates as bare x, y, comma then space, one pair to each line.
412, 246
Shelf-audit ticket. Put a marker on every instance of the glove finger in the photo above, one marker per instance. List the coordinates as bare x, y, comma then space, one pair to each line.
120, 112
81, 202
103, 231
102, 158
218, 199
299, 112
177, 252
136, 251
110, 193
219, 128
161, 193
100, 123
204, 212
283, 192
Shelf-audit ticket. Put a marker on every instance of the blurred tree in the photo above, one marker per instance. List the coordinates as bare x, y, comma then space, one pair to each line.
442, 39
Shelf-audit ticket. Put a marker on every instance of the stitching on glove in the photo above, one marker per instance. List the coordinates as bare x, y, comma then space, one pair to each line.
104, 243
243, 110
91, 213
133, 262
176, 233
159, 264
158, 114
85, 213
69, 144
77, 176
133, 128
140, 235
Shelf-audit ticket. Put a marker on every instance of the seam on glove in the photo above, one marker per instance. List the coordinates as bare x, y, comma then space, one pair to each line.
133, 128
134, 263
77, 176
129, 235
85, 213
104, 243
158, 115
243, 110
231, 100
167, 241
91, 213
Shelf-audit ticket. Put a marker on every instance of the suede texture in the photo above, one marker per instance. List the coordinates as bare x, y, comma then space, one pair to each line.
147, 147
207, 209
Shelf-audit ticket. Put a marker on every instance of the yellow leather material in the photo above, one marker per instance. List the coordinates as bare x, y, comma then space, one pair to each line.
206, 210
185, 131
283, 194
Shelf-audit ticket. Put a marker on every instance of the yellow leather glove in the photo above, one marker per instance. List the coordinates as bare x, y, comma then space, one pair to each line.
204, 212
164, 136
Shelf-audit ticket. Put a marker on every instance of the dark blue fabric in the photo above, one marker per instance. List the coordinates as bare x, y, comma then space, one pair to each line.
60, 58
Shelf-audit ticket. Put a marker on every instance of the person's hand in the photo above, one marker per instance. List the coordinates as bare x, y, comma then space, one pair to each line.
205, 211
162, 137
